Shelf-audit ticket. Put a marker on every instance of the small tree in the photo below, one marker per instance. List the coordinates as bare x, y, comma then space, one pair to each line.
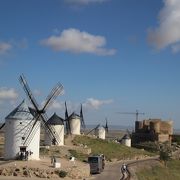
165, 153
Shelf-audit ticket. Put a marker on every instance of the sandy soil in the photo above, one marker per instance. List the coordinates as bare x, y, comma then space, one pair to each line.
44, 163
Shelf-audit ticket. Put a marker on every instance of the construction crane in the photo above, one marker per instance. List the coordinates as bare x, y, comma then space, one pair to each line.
137, 113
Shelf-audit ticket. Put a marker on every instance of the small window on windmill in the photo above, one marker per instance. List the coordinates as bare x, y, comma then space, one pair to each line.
23, 138
20, 123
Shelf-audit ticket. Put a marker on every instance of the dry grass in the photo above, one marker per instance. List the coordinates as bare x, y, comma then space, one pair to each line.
161, 172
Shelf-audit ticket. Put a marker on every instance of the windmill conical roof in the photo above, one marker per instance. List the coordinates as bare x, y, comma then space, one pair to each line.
126, 136
73, 116
21, 112
55, 120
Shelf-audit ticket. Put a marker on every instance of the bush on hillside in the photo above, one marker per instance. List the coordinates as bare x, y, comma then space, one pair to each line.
62, 173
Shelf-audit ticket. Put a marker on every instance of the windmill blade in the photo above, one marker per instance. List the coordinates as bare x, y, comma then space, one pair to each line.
2, 126
106, 126
93, 129
56, 91
66, 119
40, 114
30, 131
82, 119
68, 127
32, 134
28, 92
66, 111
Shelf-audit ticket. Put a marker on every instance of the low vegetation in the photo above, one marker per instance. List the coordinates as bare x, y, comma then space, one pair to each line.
62, 174
176, 139
78, 155
110, 149
161, 172
165, 153
44, 151
148, 146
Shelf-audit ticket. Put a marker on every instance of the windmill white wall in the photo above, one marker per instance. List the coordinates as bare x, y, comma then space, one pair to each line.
126, 140
101, 133
17, 125
75, 124
57, 124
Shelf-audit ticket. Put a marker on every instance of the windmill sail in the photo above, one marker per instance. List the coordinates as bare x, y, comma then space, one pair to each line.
68, 129
2, 126
40, 114
94, 129
82, 118
106, 126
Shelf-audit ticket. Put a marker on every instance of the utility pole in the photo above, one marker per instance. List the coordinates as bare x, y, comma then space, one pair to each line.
137, 113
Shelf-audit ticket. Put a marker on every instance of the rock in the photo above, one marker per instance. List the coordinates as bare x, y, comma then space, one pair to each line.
26, 173
4, 172
36, 173
15, 173
54, 176
17, 169
43, 175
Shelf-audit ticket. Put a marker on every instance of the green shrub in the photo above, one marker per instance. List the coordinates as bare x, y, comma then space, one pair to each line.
148, 146
62, 173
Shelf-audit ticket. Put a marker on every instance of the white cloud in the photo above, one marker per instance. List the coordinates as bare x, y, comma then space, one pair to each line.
89, 104
92, 103
167, 33
57, 105
83, 2
5, 47
8, 93
75, 41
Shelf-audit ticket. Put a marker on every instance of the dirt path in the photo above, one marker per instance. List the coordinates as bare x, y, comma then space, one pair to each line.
113, 170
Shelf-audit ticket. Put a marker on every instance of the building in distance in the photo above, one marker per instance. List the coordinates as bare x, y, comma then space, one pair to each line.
153, 130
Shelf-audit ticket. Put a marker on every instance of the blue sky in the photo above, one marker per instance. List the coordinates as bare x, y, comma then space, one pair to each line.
111, 55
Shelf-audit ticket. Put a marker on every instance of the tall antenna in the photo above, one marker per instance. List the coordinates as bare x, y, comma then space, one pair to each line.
137, 113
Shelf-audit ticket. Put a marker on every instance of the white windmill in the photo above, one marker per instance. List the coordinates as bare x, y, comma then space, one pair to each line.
17, 125
22, 136
74, 122
57, 123
100, 131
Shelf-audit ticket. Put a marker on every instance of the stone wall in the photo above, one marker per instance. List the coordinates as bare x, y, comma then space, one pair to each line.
152, 130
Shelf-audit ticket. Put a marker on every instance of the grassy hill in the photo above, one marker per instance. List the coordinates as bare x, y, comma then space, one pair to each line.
110, 149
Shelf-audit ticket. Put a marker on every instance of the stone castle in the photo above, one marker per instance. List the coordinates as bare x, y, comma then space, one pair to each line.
153, 130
